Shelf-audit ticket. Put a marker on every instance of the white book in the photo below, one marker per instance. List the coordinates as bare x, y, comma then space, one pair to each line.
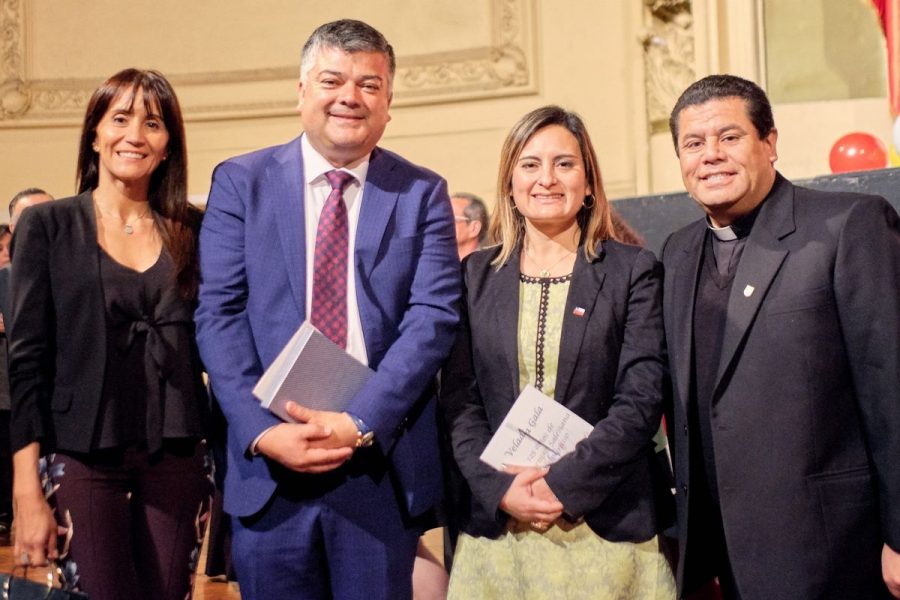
313, 371
536, 432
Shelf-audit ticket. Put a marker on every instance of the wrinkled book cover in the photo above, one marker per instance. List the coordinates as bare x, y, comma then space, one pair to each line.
536, 432
313, 371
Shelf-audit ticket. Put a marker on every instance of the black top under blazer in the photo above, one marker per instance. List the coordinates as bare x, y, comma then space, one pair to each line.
610, 373
58, 333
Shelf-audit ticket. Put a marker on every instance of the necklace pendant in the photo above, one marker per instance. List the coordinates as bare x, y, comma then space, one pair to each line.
129, 230
545, 273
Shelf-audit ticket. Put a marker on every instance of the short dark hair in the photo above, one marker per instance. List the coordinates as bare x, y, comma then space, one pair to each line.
475, 210
712, 87
32, 191
348, 35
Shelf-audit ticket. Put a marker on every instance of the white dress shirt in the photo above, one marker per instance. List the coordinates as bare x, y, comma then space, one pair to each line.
315, 193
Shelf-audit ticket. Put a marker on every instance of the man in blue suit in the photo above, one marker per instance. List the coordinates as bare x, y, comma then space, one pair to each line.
332, 229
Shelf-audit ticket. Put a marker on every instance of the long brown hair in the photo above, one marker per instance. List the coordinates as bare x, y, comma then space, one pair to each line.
175, 218
508, 225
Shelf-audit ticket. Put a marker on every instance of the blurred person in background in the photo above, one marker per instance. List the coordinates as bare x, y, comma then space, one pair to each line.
5, 238
471, 217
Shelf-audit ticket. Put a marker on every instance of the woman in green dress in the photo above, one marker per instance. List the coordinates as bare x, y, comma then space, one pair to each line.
563, 306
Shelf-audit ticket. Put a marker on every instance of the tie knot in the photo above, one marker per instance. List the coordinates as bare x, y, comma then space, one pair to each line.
338, 179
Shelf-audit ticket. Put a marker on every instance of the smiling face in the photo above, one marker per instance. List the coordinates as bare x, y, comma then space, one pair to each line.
548, 179
726, 168
344, 102
131, 141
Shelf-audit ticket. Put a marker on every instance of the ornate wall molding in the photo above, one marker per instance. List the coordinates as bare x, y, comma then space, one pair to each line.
668, 43
14, 93
506, 67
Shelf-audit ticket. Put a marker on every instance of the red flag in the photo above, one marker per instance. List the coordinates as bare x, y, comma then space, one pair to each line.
889, 13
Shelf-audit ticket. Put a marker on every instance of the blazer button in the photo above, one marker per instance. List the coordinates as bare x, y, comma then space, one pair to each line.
684, 488
685, 429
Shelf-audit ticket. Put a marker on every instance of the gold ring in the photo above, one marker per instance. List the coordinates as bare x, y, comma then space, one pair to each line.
539, 525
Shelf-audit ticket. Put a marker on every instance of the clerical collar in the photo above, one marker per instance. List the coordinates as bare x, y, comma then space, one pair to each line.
723, 234
737, 230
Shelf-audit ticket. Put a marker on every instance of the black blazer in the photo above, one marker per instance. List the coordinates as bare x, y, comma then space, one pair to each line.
806, 409
4, 290
610, 373
4, 363
57, 331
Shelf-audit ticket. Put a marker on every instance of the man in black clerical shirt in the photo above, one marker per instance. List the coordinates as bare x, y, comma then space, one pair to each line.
783, 330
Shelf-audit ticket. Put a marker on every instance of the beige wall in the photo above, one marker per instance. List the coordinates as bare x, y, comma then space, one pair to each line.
467, 71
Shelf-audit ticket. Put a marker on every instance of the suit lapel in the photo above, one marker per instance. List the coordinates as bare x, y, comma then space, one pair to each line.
285, 188
89, 224
504, 305
761, 259
682, 281
89, 230
89, 262
378, 201
587, 279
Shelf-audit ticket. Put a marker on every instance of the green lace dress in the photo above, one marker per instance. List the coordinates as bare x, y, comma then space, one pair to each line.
566, 562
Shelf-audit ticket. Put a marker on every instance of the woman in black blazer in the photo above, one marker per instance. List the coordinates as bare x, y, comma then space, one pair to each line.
563, 306
105, 376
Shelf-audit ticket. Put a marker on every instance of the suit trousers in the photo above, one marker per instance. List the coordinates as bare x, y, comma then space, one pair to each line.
339, 535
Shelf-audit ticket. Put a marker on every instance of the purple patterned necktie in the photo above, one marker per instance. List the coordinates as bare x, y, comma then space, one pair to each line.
329, 297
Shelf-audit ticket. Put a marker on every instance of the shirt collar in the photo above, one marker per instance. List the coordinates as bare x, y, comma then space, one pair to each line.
723, 234
737, 230
315, 166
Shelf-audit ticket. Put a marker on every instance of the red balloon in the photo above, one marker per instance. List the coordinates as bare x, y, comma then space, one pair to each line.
857, 151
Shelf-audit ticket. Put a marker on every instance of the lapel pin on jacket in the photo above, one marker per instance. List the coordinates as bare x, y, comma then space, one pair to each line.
578, 311
748, 291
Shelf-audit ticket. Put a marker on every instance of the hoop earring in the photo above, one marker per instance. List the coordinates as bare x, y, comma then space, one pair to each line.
585, 204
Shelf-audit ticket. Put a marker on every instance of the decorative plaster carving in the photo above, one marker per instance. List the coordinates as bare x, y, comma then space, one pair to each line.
15, 95
506, 67
668, 57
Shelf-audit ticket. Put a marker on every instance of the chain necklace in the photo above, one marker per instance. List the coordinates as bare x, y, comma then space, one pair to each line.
545, 271
127, 225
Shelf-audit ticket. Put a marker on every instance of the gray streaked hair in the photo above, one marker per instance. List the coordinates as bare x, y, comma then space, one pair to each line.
32, 191
349, 36
475, 210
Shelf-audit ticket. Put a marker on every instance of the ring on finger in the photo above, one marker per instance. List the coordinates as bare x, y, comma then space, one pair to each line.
24, 558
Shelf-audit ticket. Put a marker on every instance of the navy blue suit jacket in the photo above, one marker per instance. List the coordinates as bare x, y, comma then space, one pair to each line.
253, 298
